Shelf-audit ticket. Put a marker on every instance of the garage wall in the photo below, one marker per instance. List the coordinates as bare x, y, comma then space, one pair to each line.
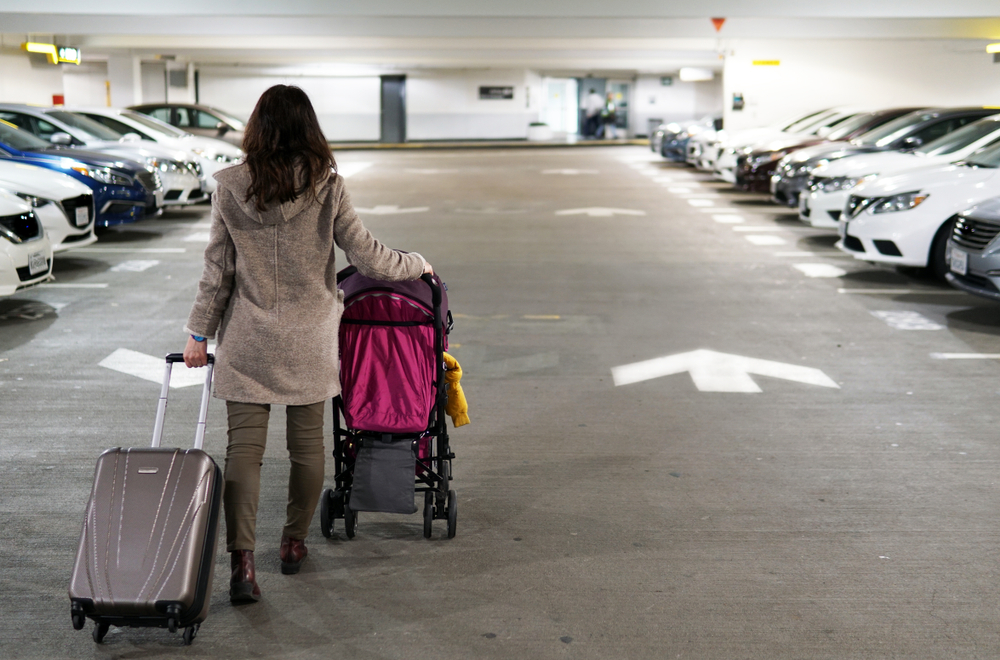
869, 73
28, 79
679, 101
445, 105
348, 108
84, 84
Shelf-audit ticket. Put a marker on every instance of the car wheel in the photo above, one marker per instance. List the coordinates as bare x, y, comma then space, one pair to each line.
936, 263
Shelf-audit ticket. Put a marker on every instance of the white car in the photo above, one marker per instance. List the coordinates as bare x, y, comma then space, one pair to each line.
25, 251
906, 219
706, 147
830, 184
180, 173
212, 154
63, 205
727, 161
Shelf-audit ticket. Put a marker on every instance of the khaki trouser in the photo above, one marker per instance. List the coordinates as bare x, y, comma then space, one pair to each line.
245, 455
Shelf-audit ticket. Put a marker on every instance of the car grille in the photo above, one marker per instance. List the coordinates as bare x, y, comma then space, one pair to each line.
974, 234
24, 226
149, 180
70, 206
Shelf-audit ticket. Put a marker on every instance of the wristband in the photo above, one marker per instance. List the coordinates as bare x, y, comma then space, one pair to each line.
197, 338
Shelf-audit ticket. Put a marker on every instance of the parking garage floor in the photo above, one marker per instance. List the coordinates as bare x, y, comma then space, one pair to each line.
798, 459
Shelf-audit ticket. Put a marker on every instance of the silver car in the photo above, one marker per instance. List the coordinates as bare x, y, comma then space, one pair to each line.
973, 251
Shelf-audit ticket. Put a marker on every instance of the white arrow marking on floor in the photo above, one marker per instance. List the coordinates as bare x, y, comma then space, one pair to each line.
599, 212
765, 239
350, 169
136, 266
728, 219
701, 202
570, 172
719, 372
150, 368
820, 270
907, 320
965, 356
392, 210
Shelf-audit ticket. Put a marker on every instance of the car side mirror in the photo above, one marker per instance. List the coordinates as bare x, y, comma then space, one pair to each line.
61, 139
222, 127
912, 142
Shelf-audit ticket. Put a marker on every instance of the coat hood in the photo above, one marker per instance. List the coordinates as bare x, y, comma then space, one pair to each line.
236, 179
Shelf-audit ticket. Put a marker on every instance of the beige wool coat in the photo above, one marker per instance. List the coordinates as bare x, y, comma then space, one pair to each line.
269, 289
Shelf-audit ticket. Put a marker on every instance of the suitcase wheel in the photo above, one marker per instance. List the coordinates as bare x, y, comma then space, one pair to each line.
78, 620
100, 630
190, 633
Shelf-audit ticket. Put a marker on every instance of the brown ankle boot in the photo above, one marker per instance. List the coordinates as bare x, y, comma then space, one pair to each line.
293, 552
243, 584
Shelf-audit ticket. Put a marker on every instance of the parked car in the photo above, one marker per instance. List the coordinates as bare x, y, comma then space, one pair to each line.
63, 205
830, 184
180, 174
25, 251
123, 189
790, 177
906, 219
198, 119
212, 154
671, 140
905, 133
973, 252
708, 145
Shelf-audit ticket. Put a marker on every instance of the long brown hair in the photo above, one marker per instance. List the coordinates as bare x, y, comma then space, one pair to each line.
282, 135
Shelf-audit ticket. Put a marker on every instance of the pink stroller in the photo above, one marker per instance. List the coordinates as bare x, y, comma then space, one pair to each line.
390, 438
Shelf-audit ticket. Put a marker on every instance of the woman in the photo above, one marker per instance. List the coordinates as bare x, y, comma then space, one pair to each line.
269, 289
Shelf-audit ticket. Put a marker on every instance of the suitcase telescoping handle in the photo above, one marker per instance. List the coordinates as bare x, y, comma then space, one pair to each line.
161, 407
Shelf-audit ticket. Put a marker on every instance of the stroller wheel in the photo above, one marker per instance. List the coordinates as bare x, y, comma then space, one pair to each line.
452, 514
351, 521
326, 515
428, 514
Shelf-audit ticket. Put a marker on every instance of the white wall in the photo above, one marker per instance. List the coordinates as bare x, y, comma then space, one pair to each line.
445, 105
678, 101
347, 108
85, 84
869, 73
28, 78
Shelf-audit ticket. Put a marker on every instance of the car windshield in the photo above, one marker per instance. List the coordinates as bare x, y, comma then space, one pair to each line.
963, 137
14, 137
985, 157
153, 124
809, 122
802, 118
85, 124
847, 127
895, 129
237, 124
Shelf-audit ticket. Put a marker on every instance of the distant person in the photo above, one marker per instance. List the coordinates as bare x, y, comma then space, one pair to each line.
269, 292
609, 115
592, 107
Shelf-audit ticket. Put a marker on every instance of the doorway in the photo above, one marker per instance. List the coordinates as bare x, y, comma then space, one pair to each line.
561, 109
393, 109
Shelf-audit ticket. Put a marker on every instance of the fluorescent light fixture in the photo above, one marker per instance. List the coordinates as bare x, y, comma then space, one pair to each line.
691, 74
993, 49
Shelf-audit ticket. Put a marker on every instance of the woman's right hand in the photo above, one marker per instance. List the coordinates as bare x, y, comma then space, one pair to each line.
428, 269
196, 353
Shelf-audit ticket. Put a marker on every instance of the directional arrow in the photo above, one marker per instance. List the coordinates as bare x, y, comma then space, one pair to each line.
718, 372
150, 368
599, 212
391, 210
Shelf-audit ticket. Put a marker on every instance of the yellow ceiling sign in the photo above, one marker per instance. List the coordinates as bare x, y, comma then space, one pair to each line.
767, 62
993, 48
55, 54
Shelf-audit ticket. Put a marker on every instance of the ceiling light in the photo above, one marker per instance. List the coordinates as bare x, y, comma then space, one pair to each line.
993, 48
691, 74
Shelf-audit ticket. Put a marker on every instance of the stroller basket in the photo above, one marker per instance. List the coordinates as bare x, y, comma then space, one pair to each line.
390, 435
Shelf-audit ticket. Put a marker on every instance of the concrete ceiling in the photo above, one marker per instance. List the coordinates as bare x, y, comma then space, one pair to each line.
547, 35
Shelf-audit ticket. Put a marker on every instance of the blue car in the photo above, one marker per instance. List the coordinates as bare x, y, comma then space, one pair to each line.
124, 190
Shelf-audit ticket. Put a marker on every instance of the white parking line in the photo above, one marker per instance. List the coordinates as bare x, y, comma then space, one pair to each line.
701, 202
752, 228
907, 320
890, 292
820, 270
795, 254
73, 286
765, 239
200, 237
96, 250
136, 266
679, 191
965, 356
728, 219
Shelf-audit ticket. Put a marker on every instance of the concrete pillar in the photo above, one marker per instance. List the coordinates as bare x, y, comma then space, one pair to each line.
180, 82
125, 79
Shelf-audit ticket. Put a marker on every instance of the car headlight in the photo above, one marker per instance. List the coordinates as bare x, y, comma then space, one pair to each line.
838, 183
9, 225
901, 202
163, 164
35, 202
103, 174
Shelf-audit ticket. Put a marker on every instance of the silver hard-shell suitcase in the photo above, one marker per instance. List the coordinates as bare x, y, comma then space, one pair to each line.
147, 549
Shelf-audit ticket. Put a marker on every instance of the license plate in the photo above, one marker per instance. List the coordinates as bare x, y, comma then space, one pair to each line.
842, 229
37, 263
82, 217
959, 262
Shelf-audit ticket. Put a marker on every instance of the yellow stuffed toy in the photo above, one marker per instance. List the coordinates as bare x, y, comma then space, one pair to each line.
458, 407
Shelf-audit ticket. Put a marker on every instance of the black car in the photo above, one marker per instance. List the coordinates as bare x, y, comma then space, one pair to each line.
904, 133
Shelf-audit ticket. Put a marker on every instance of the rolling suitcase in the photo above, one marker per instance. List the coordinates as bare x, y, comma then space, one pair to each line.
147, 549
